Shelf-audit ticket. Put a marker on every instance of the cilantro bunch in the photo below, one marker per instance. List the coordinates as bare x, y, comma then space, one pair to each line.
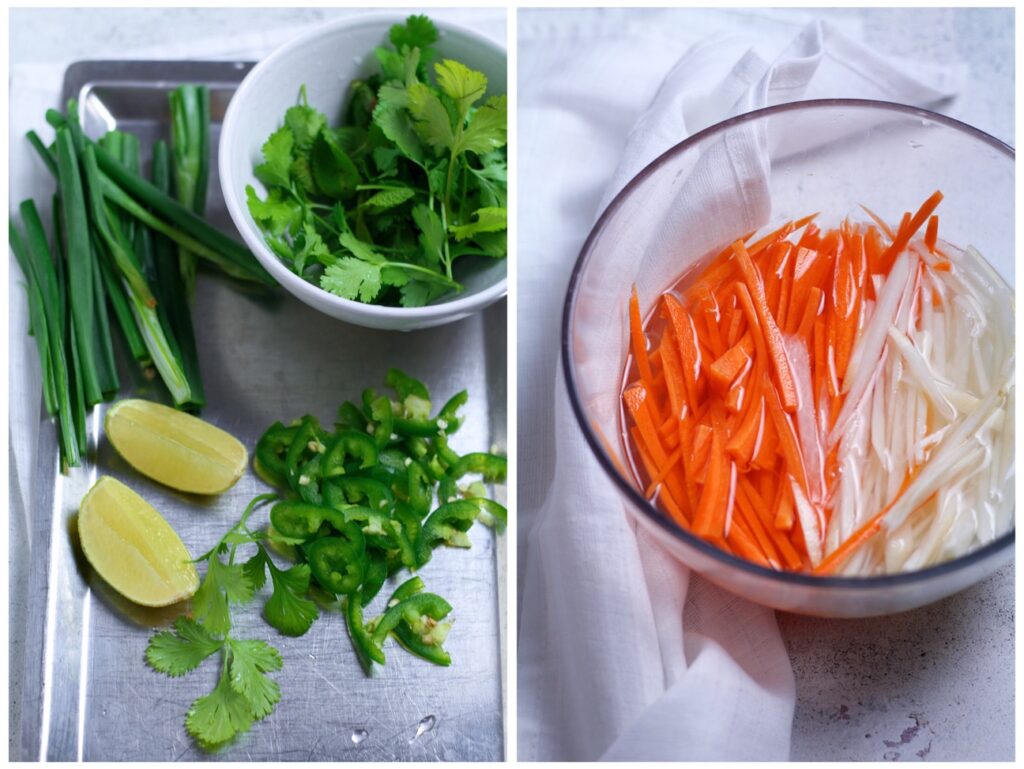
383, 208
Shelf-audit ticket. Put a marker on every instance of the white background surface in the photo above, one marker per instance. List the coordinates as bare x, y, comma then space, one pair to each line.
932, 684
938, 683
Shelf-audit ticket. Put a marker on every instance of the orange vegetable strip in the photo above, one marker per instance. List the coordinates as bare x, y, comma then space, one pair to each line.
787, 438
762, 324
635, 398
757, 508
674, 379
811, 311
745, 545
666, 498
942, 266
685, 336
909, 226
732, 364
712, 510
786, 288
638, 341
747, 516
664, 470
782, 516
931, 235
746, 440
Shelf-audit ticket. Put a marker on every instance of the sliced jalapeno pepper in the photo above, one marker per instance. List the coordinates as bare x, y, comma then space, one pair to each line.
407, 589
310, 479
448, 420
413, 643
361, 639
375, 577
350, 417
445, 454
448, 524
421, 612
308, 443
349, 443
491, 513
358, 489
339, 563
492, 467
405, 544
271, 450
419, 490
404, 385
302, 520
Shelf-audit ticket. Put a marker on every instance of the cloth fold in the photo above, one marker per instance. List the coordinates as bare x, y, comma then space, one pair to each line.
623, 653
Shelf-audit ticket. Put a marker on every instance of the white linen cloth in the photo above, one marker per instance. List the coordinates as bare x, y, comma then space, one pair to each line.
623, 654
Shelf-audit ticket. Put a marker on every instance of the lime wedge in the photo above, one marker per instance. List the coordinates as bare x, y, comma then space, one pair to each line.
175, 448
132, 547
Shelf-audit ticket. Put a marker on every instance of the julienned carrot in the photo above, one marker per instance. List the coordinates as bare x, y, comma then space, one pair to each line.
768, 328
714, 404
931, 235
637, 340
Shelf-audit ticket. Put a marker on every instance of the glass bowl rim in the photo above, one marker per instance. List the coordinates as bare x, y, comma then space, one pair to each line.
641, 504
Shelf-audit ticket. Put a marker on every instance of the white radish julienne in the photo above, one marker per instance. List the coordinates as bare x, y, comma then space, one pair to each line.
927, 425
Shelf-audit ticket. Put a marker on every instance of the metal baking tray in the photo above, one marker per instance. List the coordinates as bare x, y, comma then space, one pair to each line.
84, 689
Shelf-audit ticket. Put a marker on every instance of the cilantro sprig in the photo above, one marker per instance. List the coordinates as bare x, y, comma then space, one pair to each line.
387, 207
244, 692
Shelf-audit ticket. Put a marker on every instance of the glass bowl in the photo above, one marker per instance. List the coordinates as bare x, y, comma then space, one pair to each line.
762, 168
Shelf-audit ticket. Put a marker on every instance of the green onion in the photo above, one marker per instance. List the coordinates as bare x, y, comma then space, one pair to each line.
171, 285
79, 266
190, 140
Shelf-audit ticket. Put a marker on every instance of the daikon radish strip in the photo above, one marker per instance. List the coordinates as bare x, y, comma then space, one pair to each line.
924, 377
808, 518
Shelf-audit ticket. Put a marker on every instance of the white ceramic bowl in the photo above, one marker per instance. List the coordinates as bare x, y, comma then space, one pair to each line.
326, 60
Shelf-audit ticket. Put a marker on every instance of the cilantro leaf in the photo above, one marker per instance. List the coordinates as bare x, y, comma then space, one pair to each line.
256, 569
417, 32
389, 198
397, 126
304, 121
433, 123
488, 128
392, 64
487, 220
183, 650
418, 293
360, 249
465, 86
352, 278
277, 155
278, 214
222, 584
287, 610
333, 170
216, 718
431, 232
250, 661
313, 248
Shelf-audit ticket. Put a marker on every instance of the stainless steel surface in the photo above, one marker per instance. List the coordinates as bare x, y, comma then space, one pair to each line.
85, 689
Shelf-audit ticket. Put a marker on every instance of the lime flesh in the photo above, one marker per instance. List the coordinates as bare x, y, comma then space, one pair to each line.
133, 548
175, 448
